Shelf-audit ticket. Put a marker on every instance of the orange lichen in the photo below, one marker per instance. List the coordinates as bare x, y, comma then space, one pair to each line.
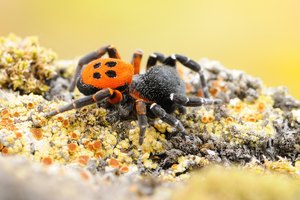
74, 136
6, 121
99, 155
18, 134
60, 118
8, 124
5, 151
16, 114
261, 107
84, 159
249, 118
97, 145
30, 105
124, 169
47, 161
4, 112
229, 119
65, 123
217, 85
11, 127
210, 119
188, 88
89, 146
42, 122
213, 91
84, 175
174, 166
113, 163
238, 107
72, 147
37, 133
200, 93
204, 119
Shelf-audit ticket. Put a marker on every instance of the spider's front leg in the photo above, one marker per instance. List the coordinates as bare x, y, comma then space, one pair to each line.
84, 101
112, 53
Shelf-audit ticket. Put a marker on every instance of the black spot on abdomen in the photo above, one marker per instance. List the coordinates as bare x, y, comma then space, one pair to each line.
97, 75
97, 65
111, 73
111, 64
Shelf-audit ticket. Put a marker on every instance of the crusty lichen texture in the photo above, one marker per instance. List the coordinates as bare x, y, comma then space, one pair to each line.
82, 137
25, 66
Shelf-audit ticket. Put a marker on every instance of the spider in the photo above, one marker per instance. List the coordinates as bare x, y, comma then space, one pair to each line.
159, 91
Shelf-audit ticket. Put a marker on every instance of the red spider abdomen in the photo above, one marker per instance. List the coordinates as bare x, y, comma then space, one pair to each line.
107, 73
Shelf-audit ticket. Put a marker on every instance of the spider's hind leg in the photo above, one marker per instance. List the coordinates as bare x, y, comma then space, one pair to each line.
193, 101
191, 64
153, 58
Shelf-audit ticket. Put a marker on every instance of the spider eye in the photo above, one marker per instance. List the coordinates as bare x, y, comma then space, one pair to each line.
97, 65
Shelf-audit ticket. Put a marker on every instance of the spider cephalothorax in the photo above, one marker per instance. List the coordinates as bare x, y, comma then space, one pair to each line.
160, 90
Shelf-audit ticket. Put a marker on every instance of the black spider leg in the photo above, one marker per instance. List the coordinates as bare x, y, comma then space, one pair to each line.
142, 119
84, 101
181, 109
159, 112
153, 58
193, 101
125, 110
191, 64
112, 53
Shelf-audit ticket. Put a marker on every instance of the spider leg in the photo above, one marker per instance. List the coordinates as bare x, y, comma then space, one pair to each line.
169, 119
153, 58
136, 61
193, 101
125, 110
181, 109
112, 53
142, 118
84, 101
191, 64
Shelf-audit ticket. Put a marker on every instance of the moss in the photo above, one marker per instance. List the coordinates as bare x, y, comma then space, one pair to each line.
25, 66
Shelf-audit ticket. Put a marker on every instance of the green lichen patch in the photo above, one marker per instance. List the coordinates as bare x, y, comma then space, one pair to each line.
25, 66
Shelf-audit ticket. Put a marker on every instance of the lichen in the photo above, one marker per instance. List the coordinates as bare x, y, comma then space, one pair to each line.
25, 66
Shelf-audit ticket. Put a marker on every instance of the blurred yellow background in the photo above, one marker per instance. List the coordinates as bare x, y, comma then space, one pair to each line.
259, 37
